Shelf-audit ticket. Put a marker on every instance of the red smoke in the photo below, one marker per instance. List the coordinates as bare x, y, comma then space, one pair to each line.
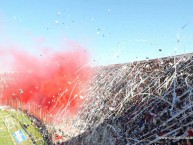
46, 83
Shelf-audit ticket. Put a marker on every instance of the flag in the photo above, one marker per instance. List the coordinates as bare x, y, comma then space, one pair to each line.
19, 136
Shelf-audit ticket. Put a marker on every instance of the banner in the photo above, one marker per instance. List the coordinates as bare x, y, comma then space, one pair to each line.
19, 136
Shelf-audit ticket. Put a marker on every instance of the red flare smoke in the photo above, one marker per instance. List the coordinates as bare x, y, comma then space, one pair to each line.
47, 83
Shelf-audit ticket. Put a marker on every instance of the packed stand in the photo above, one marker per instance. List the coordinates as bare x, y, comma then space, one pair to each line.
148, 102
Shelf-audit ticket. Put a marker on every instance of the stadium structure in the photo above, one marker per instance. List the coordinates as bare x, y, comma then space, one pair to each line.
139, 103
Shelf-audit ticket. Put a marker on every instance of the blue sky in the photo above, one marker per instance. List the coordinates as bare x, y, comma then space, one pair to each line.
114, 31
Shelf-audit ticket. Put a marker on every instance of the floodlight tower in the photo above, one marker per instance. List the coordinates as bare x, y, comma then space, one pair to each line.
22, 108
1, 100
2, 88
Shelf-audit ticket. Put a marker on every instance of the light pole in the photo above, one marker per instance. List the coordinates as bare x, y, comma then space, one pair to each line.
22, 109
2, 90
18, 106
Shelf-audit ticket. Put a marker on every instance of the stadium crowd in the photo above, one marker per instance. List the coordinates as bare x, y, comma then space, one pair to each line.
147, 102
